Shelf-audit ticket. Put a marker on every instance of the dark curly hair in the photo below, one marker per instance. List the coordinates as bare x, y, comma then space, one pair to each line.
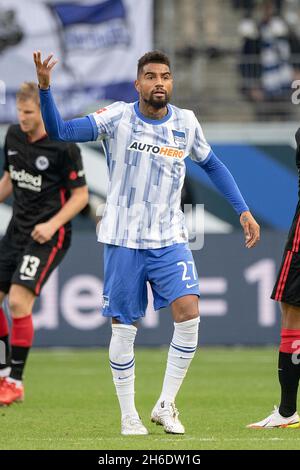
156, 57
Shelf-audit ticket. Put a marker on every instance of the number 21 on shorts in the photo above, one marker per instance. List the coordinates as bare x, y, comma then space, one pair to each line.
188, 268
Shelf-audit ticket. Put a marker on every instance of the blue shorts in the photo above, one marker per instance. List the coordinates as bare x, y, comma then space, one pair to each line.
170, 271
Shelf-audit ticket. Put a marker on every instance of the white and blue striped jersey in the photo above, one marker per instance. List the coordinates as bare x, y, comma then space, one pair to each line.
146, 168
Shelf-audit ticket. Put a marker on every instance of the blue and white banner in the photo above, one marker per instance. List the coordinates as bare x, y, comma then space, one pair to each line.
97, 43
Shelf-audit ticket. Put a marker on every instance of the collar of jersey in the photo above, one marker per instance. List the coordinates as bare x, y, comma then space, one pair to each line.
152, 121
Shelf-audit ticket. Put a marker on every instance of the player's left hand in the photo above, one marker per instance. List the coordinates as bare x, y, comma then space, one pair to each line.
251, 229
42, 233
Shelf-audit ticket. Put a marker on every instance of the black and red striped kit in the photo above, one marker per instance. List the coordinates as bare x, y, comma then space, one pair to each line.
43, 174
287, 286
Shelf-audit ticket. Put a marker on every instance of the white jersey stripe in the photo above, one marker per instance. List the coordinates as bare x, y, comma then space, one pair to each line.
146, 173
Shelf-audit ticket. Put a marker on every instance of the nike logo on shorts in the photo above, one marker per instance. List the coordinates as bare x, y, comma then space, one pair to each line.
26, 278
188, 286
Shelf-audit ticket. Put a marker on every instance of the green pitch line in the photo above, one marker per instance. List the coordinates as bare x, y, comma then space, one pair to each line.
70, 402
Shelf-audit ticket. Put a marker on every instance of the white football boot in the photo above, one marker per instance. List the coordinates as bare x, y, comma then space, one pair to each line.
275, 420
167, 414
132, 426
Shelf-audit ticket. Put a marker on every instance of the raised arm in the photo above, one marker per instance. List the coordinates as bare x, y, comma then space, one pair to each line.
76, 130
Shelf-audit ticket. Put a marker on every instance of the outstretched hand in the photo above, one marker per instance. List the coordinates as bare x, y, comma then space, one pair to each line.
43, 69
251, 229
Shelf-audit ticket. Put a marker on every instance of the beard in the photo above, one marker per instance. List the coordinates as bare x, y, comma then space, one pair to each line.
157, 103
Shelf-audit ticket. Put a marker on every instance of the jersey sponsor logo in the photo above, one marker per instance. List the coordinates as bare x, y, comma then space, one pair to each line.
26, 180
42, 163
179, 137
101, 110
160, 150
11, 152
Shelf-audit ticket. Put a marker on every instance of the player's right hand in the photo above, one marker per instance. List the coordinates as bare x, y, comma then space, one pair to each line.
43, 69
251, 229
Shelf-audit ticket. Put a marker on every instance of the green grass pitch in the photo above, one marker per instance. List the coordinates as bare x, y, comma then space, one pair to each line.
70, 402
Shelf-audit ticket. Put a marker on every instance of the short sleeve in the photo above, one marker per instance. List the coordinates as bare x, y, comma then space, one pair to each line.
200, 148
107, 119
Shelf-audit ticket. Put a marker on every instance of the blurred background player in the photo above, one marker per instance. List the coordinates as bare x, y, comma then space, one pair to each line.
146, 143
49, 189
287, 292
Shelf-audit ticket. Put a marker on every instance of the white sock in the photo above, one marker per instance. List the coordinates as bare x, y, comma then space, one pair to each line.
5, 372
121, 358
18, 383
182, 350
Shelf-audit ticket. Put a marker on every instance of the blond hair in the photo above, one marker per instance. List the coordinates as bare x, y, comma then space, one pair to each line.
29, 91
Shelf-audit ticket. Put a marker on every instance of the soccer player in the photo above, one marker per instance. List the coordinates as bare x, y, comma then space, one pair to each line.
287, 292
49, 189
143, 227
